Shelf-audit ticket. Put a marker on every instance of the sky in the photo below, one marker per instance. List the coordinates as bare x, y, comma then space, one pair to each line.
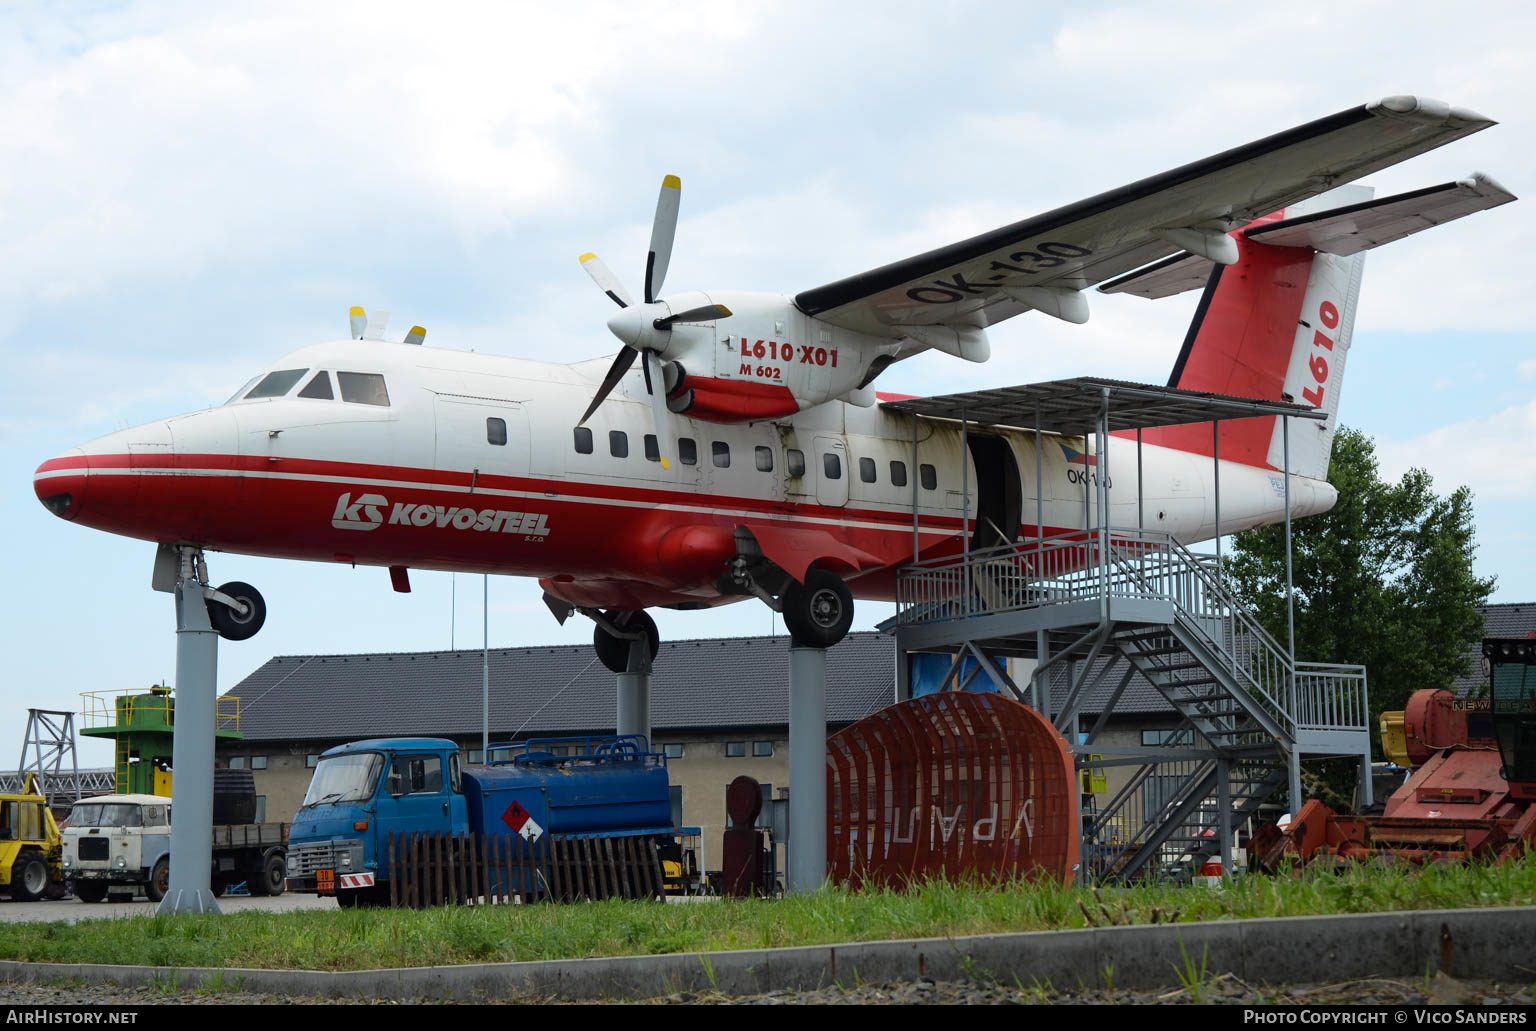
190, 190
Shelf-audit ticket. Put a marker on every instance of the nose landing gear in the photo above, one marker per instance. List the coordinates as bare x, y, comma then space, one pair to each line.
241, 616
236, 610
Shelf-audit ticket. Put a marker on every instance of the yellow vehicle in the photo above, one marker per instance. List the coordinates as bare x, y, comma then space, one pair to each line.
31, 847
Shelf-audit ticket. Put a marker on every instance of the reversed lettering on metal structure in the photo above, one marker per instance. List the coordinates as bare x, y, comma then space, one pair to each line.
953, 783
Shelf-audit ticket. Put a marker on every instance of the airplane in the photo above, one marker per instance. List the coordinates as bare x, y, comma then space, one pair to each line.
749, 454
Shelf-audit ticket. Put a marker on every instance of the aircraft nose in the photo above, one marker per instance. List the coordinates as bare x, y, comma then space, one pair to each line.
60, 483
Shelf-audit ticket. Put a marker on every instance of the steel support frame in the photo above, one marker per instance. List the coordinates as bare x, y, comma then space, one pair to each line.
1095, 637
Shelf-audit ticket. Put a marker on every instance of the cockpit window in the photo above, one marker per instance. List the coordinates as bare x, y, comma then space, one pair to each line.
319, 387
364, 388
276, 384
237, 395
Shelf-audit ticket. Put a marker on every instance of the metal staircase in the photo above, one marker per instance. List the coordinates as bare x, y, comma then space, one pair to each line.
1249, 708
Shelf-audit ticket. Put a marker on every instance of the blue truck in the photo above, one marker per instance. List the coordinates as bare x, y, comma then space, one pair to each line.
599, 787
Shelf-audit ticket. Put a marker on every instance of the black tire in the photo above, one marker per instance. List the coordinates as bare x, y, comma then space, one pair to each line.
230, 625
234, 796
159, 880
91, 891
612, 651
272, 877
218, 885
362, 898
29, 877
819, 612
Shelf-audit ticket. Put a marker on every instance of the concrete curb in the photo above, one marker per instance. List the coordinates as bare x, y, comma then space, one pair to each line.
1497, 944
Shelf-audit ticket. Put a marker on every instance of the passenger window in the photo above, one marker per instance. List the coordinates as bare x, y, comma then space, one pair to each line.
899, 474
276, 384
722, 454
765, 459
618, 443
583, 440
831, 466
867, 470
496, 431
929, 476
363, 388
652, 451
687, 451
794, 461
319, 388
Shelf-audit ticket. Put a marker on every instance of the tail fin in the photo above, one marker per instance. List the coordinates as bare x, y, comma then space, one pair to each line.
1277, 324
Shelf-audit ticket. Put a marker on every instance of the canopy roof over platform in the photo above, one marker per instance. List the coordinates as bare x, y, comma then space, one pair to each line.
1074, 406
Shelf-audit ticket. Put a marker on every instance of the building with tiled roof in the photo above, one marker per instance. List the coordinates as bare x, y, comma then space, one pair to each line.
1517, 619
719, 707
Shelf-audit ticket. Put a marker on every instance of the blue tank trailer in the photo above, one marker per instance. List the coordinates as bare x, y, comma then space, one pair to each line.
600, 787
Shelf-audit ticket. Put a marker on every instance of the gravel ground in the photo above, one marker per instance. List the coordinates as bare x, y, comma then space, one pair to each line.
1223, 990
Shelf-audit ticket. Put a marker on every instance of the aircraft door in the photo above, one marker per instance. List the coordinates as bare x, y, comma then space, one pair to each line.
996, 490
482, 434
830, 468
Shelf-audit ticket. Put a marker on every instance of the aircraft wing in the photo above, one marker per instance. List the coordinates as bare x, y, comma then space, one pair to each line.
1043, 262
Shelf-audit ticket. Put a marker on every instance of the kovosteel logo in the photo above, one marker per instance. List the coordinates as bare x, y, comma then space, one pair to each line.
367, 513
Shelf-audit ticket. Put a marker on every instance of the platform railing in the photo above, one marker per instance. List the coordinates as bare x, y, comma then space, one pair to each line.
1137, 564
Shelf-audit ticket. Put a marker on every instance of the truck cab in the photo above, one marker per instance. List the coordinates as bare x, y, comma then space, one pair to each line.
118, 841
360, 793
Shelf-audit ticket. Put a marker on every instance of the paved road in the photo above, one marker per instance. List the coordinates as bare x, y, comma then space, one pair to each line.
72, 910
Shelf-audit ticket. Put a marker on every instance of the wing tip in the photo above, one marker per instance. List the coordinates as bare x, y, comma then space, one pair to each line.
671, 182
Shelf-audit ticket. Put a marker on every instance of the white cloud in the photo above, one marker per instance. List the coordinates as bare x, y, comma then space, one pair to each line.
1489, 455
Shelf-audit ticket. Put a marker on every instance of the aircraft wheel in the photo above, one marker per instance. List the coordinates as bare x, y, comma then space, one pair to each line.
231, 625
819, 612
614, 651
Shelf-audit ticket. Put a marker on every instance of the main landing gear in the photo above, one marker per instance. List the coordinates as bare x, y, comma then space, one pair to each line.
615, 631
818, 612
236, 610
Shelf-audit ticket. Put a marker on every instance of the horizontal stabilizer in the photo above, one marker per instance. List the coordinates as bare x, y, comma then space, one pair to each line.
1359, 227
1173, 275
1343, 231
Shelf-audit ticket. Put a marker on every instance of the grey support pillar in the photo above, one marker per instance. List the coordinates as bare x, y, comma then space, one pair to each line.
1293, 769
807, 769
1224, 814
634, 694
197, 662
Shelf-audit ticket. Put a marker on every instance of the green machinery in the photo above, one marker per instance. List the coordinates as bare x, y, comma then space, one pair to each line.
141, 725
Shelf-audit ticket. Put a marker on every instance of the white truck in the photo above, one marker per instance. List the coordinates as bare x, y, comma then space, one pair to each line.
123, 843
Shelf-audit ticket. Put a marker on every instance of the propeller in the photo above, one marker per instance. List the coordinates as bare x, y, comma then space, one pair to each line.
644, 328
365, 327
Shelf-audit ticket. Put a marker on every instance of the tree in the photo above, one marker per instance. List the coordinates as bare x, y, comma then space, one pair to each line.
1383, 579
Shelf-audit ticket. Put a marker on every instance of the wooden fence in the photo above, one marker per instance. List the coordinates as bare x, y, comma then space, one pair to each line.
505, 869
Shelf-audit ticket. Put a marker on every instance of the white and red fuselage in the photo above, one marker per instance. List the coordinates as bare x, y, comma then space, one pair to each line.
422, 481
775, 456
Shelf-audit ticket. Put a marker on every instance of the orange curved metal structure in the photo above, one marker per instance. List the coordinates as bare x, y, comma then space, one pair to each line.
950, 784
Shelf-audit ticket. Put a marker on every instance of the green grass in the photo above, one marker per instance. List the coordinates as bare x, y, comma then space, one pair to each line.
364, 939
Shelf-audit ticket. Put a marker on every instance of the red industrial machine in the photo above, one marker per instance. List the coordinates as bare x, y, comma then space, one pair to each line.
1472, 793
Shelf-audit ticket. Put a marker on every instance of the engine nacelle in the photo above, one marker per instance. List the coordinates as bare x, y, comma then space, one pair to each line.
767, 360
